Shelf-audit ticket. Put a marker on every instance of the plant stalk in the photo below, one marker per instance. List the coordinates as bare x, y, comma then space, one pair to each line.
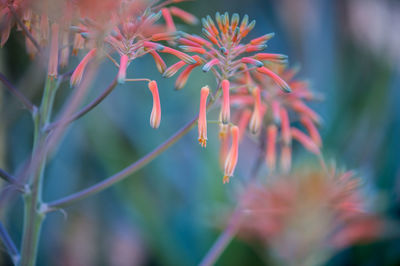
33, 215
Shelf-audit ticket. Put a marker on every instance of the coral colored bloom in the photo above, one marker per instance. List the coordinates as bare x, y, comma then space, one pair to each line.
328, 211
202, 122
226, 109
232, 158
285, 125
168, 19
281, 83
79, 70
53, 57
256, 119
169, 72
286, 158
185, 16
122, 68
306, 141
243, 122
312, 130
155, 117
224, 147
270, 153
183, 77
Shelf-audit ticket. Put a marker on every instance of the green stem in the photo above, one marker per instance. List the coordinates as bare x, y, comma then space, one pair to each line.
33, 215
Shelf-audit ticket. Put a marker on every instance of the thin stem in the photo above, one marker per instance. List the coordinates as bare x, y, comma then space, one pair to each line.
7, 177
23, 27
103, 185
222, 242
85, 109
111, 59
27, 104
230, 231
64, 202
9, 244
12, 180
143, 79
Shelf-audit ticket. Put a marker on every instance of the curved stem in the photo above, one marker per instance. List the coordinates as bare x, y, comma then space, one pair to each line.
85, 109
222, 242
12, 180
64, 202
68, 200
9, 244
23, 27
27, 104
230, 231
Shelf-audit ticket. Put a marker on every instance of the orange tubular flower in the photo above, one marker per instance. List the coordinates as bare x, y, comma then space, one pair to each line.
305, 140
225, 114
271, 147
202, 122
243, 122
79, 70
232, 158
255, 120
53, 58
155, 117
286, 158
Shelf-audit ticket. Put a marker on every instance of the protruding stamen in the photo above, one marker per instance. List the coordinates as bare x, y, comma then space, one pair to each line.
202, 122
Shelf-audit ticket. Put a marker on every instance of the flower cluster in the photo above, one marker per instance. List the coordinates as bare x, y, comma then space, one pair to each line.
263, 107
130, 29
253, 84
307, 213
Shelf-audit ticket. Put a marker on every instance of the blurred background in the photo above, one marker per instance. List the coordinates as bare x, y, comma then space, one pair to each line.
171, 212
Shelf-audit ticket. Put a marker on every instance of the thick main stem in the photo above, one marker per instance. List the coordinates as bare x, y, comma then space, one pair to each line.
33, 216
